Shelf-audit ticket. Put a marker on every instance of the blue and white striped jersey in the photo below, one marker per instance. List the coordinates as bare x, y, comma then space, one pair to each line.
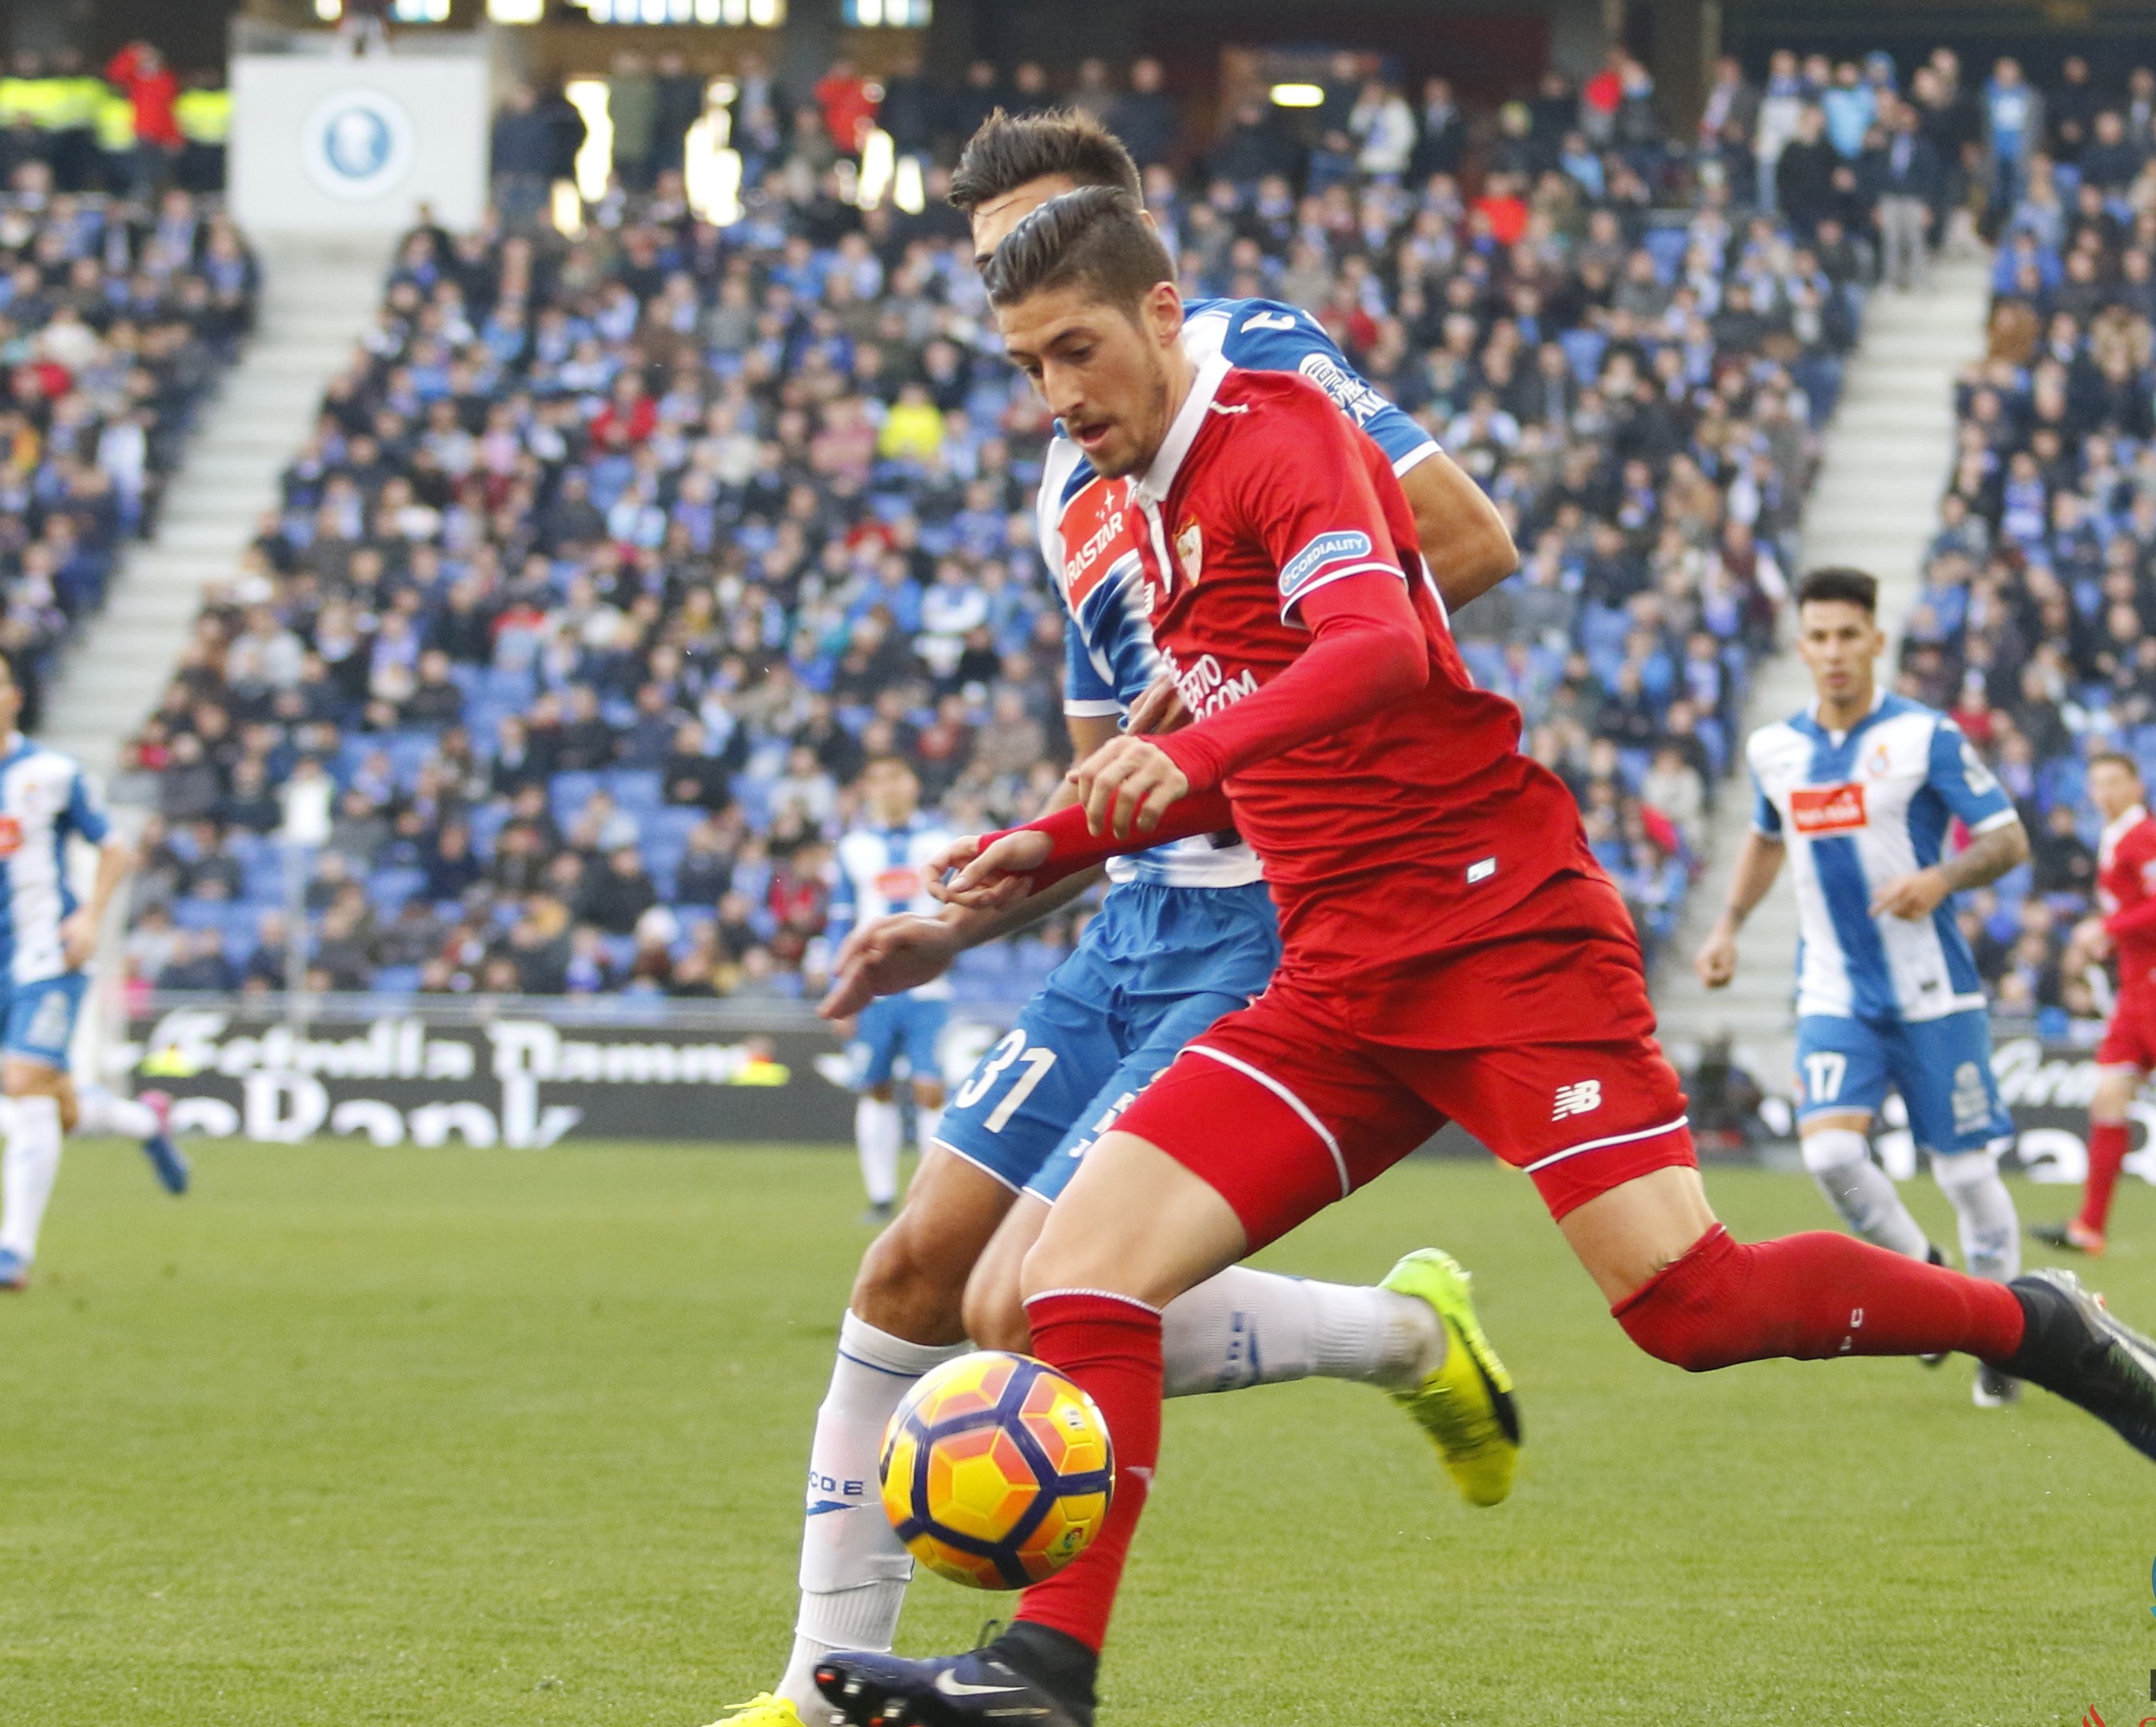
1109, 653
1856, 809
882, 872
44, 797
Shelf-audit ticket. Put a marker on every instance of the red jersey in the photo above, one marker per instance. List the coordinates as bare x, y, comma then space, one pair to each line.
2125, 887
1388, 837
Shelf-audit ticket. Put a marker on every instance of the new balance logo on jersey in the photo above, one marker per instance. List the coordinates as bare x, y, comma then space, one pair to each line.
1827, 809
1579, 1099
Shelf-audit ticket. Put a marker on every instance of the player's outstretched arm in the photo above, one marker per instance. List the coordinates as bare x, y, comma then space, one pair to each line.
1464, 540
1757, 865
898, 953
994, 869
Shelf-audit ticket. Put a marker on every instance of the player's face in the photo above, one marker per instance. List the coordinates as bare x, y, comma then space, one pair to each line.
2115, 789
893, 793
1103, 372
1838, 641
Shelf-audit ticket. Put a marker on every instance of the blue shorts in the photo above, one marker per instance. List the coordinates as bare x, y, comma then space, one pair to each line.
1156, 967
1942, 1068
896, 1025
41, 1017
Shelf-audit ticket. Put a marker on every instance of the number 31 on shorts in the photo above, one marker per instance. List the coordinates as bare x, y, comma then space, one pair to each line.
1036, 1061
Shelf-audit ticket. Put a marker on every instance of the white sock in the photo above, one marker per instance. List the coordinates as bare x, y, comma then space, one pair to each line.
927, 1124
879, 1132
1990, 1231
853, 1568
104, 1111
1864, 1193
27, 1174
1250, 1328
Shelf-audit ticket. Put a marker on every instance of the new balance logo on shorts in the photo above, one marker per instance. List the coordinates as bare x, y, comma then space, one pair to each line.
1576, 1099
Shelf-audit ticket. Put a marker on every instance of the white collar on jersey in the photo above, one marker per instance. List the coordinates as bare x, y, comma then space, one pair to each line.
1154, 486
1878, 702
2114, 832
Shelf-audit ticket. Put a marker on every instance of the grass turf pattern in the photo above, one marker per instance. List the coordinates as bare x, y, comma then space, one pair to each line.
355, 1437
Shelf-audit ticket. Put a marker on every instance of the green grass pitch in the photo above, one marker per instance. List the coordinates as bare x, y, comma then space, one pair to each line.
356, 1437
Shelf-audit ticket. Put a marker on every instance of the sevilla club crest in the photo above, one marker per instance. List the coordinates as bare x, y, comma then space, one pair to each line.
1190, 550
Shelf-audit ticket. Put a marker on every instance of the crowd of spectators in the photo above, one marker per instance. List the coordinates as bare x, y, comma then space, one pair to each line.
2032, 622
611, 558
116, 318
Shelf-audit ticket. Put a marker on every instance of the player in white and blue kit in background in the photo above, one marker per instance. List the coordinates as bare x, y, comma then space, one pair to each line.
880, 865
1858, 793
1186, 933
46, 940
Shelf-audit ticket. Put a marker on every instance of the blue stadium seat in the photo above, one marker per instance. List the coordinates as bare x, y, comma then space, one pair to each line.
569, 791
1667, 247
636, 789
1583, 353
389, 888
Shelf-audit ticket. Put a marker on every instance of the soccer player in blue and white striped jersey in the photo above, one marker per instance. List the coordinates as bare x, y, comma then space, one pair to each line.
1858, 792
46, 939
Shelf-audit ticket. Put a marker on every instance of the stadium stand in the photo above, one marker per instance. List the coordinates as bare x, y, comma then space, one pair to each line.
611, 557
117, 317
2031, 622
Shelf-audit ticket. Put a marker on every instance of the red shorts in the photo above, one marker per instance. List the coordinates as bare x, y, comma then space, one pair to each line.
1285, 1107
2129, 1040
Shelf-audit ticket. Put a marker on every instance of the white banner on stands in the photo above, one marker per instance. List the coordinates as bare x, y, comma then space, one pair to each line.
329, 144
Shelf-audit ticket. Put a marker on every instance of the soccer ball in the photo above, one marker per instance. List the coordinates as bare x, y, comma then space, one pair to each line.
997, 1471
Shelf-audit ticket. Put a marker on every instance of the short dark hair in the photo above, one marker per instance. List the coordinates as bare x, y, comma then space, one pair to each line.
1096, 238
1011, 150
1840, 581
2118, 758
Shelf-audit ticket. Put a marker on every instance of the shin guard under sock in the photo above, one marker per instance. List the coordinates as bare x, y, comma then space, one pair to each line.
1811, 1296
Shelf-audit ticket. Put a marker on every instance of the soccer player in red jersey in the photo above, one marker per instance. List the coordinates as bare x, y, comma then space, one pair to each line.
2126, 887
1451, 950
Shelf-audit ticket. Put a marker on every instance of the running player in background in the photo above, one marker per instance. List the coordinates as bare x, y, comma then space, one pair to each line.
1451, 948
881, 862
46, 940
1186, 932
1859, 792
2126, 889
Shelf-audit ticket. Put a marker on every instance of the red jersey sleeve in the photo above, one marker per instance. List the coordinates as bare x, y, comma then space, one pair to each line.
1306, 492
1311, 490
1366, 651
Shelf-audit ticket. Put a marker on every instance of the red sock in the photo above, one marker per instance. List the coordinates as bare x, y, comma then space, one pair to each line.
1812, 1297
2107, 1152
1111, 1347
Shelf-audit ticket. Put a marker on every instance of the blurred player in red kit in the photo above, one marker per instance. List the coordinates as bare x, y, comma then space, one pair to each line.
1451, 950
2126, 887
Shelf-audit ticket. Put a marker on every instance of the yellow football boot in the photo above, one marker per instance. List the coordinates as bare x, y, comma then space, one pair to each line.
764, 1710
1467, 1406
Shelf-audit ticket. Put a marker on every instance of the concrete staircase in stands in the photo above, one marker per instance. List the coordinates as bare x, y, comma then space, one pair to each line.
318, 297
1875, 504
